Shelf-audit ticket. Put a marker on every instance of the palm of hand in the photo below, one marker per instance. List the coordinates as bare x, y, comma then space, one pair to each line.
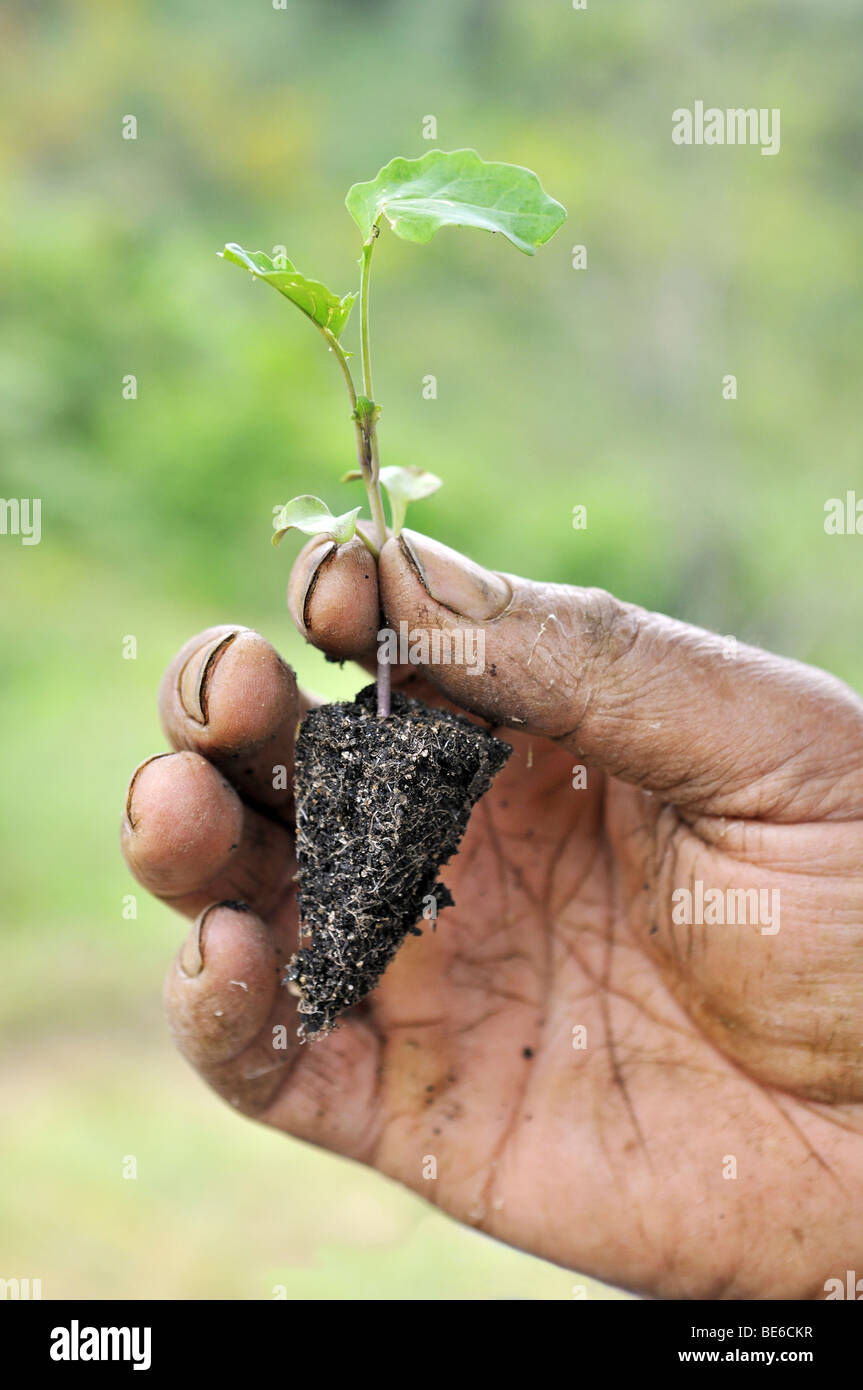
541, 1046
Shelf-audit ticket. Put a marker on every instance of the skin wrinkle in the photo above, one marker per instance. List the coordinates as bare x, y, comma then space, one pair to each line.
616, 1070
822, 1110
725, 780
746, 1031
571, 938
801, 1137
226, 1074
640, 1006
487, 1197
615, 1156
437, 1021
665, 880
752, 847
474, 1024
523, 887
720, 1009
324, 1075
795, 1129
722, 851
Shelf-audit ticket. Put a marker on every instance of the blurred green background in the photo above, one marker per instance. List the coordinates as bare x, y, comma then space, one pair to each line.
555, 387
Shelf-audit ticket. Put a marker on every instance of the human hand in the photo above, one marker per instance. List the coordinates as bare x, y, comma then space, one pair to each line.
706, 1047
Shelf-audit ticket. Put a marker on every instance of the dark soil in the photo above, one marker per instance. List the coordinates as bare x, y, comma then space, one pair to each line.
380, 805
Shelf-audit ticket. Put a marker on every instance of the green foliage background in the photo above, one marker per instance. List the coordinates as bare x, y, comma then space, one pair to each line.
556, 387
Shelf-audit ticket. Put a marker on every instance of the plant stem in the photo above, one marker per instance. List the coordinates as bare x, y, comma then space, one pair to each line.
366, 438
368, 452
365, 346
369, 545
366, 357
371, 439
341, 357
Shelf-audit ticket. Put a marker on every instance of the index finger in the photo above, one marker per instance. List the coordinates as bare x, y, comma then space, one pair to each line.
229, 696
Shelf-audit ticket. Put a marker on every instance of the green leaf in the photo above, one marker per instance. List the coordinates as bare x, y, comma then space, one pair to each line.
404, 485
367, 412
457, 189
320, 304
314, 518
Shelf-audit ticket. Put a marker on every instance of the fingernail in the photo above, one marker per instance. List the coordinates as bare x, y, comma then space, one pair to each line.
192, 952
455, 581
300, 593
130, 793
194, 679
191, 959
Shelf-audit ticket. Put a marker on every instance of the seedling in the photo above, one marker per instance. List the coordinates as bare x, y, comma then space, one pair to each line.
384, 785
415, 197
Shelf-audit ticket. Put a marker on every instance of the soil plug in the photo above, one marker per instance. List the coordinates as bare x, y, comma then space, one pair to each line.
380, 806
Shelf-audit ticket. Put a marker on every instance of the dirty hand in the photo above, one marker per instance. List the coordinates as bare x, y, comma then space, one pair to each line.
611, 1052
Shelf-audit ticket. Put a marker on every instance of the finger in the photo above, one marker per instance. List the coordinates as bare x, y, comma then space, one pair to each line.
341, 581
190, 840
223, 988
236, 1024
334, 602
650, 700
229, 696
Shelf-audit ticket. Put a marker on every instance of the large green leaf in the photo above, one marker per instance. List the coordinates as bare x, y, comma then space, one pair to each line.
457, 189
320, 304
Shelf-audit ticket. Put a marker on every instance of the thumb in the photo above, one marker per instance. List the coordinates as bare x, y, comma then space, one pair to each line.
710, 724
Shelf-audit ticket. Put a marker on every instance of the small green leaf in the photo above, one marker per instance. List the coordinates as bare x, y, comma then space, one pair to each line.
367, 412
353, 475
314, 518
319, 304
404, 485
457, 189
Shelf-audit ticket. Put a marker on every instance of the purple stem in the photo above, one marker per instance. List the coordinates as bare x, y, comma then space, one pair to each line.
384, 685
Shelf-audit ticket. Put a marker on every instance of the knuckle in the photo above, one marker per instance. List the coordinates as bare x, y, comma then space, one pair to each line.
610, 628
